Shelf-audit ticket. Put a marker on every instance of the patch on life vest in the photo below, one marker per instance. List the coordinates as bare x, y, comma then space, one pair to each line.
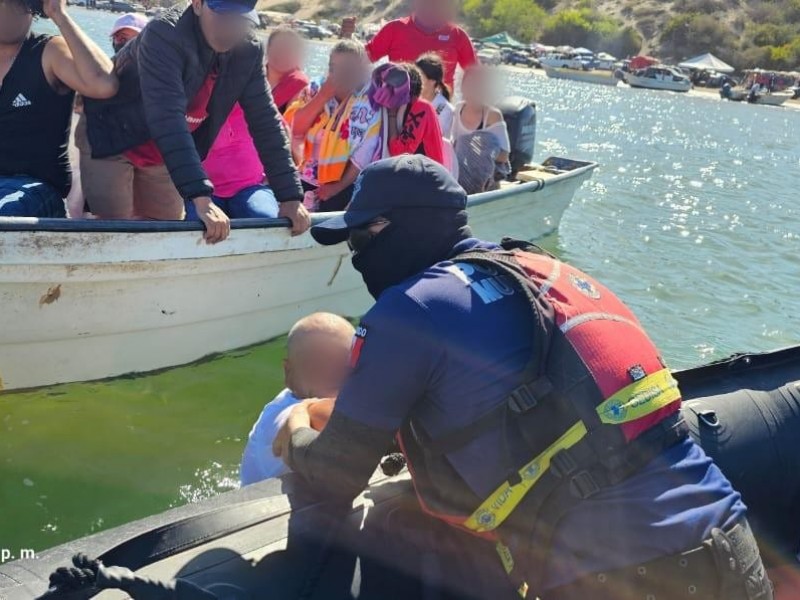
637, 372
486, 519
358, 343
584, 286
444, 38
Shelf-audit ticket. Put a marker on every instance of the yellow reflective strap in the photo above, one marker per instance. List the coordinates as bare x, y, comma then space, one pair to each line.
500, 504
640, 398
508, 565
505, 557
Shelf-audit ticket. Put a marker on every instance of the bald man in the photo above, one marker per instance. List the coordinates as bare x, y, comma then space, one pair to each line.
316, 364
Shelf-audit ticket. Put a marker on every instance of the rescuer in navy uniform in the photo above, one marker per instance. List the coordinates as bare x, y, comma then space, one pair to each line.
532, 408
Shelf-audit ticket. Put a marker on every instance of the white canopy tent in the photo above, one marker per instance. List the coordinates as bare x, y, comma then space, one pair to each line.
707, 62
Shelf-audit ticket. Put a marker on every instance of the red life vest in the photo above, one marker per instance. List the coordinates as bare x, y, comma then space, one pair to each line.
596, 404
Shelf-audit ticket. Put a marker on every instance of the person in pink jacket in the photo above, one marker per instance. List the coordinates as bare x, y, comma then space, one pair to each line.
233, 165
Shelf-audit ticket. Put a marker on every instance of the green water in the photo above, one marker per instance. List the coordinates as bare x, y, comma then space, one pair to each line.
693, 218
82, 457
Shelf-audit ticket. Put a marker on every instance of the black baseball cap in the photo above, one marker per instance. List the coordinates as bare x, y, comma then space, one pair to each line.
401, 182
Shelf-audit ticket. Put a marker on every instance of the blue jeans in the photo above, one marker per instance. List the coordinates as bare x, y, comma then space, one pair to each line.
23, 196
256, 201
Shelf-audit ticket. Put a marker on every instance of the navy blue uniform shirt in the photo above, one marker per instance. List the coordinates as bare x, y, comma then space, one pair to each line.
448, 345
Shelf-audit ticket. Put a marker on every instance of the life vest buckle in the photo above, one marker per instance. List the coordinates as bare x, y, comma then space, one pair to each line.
583, 485
563, 464
527, 396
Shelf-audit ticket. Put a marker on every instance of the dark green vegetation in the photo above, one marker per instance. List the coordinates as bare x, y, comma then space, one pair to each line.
582, 25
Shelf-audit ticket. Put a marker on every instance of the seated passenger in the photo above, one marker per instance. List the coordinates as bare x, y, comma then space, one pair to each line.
338, 128
436, 91
317, 362
476, 113
127, 27
233, 164
284, 57
413, 128
39, 75
142, 151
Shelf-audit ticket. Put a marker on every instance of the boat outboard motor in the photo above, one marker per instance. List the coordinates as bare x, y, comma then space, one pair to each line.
520, 117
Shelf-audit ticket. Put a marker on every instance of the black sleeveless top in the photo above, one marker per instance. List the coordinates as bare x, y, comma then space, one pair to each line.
34, 120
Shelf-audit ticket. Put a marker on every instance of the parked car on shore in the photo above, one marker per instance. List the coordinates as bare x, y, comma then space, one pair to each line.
313, 32
488, 56
560, 60
520, 57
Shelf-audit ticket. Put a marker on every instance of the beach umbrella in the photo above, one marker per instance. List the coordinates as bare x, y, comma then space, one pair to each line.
707, 62
503, 39
642, 62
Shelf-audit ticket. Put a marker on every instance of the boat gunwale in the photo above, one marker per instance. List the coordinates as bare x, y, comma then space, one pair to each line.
37, 225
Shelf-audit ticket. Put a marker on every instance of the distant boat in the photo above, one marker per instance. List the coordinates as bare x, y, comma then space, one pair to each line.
90, 299
588, 76
659, 78
756, 86
771, 98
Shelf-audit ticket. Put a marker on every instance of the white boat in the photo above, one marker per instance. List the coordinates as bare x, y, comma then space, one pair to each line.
90, 299
773, 98
659, 78
589, 76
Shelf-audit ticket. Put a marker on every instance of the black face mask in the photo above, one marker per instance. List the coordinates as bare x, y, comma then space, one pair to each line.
415, 239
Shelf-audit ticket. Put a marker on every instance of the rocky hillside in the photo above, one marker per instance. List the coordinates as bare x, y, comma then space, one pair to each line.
745, 33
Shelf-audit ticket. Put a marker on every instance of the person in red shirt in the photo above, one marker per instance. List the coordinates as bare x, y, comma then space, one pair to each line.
430, 28
284, 58
417, 131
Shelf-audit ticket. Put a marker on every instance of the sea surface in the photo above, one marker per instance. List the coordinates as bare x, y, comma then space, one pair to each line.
693, 218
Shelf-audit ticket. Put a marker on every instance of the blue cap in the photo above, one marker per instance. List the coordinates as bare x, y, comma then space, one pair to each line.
246, 8
402, 182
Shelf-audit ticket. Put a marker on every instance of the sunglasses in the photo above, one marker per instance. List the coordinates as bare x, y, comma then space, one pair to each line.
360, 237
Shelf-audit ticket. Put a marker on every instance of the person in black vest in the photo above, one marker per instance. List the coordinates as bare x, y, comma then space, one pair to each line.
39, 75
142, 151
531, 406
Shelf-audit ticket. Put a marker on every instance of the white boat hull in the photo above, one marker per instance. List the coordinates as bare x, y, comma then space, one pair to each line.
774, 99
594, 76
658, 84
85, 305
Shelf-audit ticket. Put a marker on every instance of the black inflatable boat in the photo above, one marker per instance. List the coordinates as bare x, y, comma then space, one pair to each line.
272, 540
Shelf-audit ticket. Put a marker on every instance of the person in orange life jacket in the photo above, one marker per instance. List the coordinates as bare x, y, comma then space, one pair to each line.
284, 59
414, 127
430, 28
447, 348
39, 75
180, 79
337, 127
233, 164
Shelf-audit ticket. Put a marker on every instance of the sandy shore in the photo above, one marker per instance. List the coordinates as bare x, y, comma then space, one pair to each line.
696, 92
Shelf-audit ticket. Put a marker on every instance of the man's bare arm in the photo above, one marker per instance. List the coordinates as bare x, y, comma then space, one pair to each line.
74, 60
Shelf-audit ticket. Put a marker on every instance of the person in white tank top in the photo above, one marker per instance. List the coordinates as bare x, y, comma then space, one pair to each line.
475, 112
